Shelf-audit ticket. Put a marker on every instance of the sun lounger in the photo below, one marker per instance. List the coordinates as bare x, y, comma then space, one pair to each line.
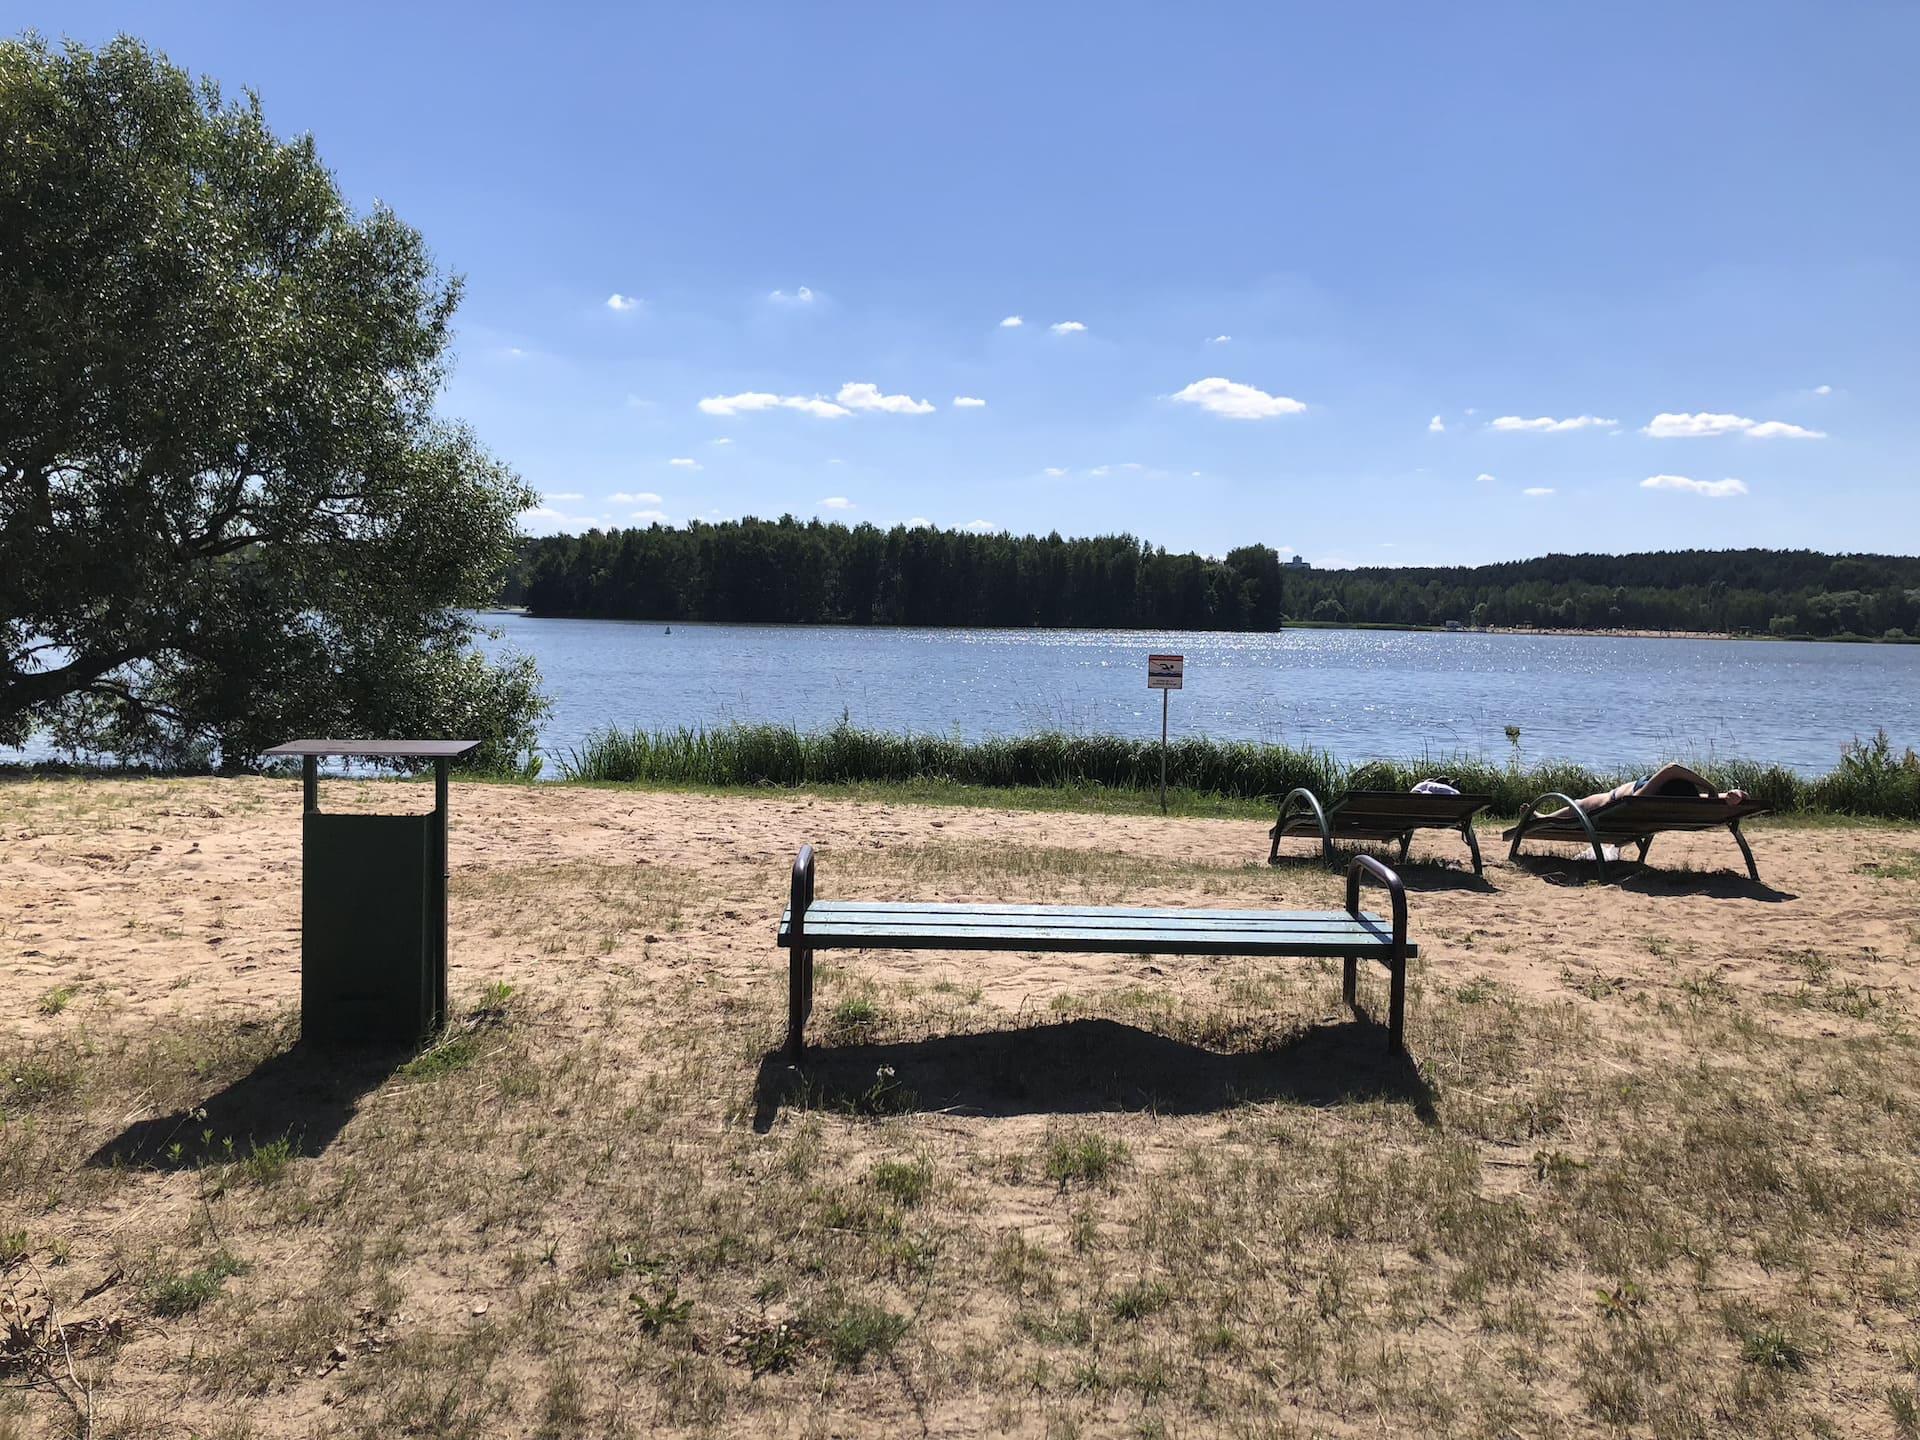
1376, 815
1632, 817
1351, 934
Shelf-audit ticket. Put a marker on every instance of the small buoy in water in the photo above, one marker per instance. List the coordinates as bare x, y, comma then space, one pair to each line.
669, 629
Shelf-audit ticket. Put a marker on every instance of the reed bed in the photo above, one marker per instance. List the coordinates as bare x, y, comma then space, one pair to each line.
1871, 779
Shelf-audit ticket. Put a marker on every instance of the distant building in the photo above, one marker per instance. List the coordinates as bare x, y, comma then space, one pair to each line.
1296, 563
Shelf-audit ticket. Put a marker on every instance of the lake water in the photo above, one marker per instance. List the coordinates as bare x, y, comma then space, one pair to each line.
1602, 700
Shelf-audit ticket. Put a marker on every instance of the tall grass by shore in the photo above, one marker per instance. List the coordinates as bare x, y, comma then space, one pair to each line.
1872, 778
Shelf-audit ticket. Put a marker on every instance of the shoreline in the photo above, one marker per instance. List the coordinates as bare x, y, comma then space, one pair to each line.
1569, 632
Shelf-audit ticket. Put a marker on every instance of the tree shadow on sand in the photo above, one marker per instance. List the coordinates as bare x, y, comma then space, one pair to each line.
1090, 1066
304, 1095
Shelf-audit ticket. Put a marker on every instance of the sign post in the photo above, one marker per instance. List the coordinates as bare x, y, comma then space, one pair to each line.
1165, 673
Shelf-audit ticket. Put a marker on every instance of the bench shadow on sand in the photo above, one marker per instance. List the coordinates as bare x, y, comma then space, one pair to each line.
302, 1094
1090, 1066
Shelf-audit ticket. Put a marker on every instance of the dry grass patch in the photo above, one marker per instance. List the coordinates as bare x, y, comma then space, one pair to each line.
576, 907
1556, 1230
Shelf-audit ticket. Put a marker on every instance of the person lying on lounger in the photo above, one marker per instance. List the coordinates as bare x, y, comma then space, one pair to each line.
1667, 780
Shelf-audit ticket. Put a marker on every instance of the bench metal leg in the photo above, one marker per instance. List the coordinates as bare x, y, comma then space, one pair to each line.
799, 1001
1753, 870
1473, 844
1406, 844
1350, 983
1397, 1006
1646, 844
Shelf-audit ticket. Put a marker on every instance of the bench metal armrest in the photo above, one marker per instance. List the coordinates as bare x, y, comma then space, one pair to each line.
1365, 866
801, 895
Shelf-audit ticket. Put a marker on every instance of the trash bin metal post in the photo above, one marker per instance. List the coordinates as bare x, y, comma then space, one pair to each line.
443, 877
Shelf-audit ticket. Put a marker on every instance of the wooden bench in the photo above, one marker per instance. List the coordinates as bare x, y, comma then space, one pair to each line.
1632, 817
1352, 935
1376, 815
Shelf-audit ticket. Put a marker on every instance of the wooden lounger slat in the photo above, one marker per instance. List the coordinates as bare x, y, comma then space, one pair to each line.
1350, 935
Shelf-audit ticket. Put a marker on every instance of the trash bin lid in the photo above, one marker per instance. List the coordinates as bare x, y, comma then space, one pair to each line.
377, 749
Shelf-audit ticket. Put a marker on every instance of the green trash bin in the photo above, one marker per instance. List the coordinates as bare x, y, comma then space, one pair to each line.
373, 905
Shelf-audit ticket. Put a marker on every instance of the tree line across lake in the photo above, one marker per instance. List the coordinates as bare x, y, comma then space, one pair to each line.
791, 572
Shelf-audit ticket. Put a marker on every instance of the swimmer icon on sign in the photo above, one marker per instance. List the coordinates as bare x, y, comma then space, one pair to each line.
1165, 672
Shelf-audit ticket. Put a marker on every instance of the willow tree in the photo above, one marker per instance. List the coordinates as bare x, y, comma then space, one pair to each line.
228, 511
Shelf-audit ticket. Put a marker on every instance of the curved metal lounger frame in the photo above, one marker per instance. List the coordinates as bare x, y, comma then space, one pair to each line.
1645, 842
1309, 802
1568, 807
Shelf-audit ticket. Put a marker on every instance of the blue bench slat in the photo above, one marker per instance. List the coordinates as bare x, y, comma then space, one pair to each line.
1335, 933
892, 909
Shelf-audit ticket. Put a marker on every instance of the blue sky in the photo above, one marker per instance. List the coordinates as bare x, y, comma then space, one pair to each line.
1383, 285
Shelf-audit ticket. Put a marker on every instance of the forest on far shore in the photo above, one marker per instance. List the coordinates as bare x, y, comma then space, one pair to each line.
788, 571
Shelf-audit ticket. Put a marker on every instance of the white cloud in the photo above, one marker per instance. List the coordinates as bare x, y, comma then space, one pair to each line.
1100, 472
1669, 426
1536, 491
1712, 489
981, 527
545, 520
915, 522
645, 497
837, 502
1012, 322
1235, 401
1054, 472
968, 402
622, 303
1823, 389
861, 395
638, 402
562, 495
652, 517
684, 462
1437, 426
751, 400
1546, 424
1067, 327
722, 440
1220, 339
802, 296
1484, 478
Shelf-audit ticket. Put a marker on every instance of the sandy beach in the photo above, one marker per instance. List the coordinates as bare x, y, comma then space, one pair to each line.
1131, 1194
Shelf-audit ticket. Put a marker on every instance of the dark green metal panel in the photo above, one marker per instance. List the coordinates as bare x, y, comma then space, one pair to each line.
373, 928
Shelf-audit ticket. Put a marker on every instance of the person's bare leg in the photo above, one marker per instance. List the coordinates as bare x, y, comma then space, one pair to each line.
1605, 797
